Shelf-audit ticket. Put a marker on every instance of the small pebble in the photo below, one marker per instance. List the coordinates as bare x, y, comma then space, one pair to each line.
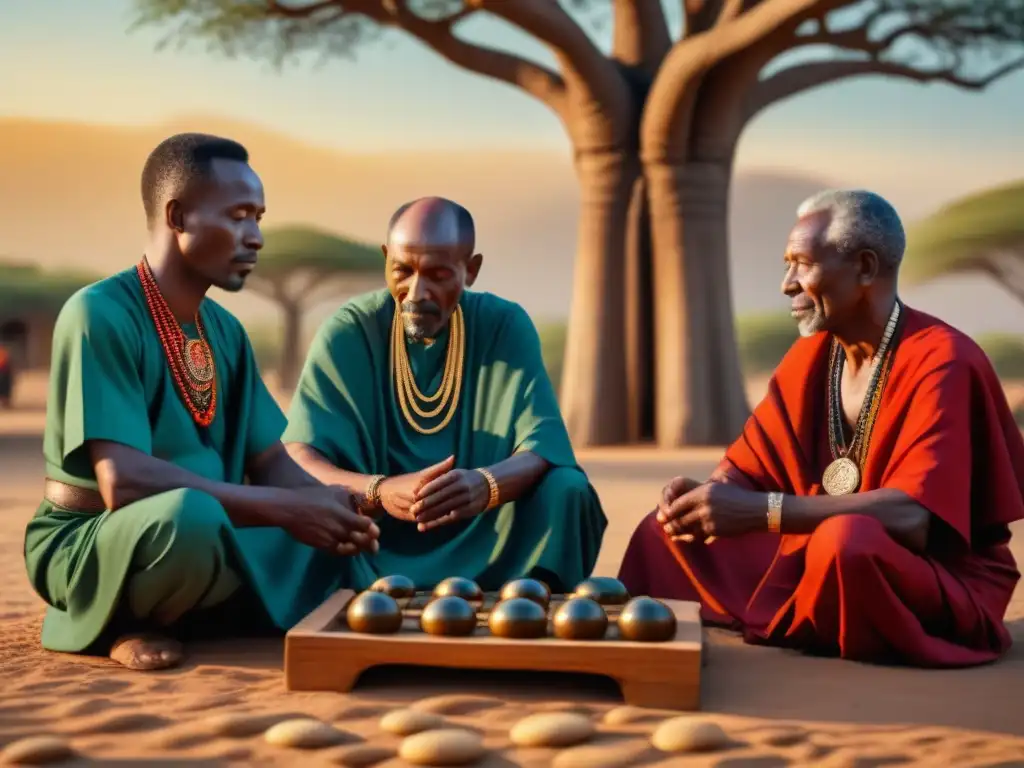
446, 746
406, 722
687, 734
36, 750
364, 755
304, 733
456, 704
552, 729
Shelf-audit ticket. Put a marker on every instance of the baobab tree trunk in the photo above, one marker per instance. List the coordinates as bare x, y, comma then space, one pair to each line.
595, 385
699, 395
639, 326
291, 345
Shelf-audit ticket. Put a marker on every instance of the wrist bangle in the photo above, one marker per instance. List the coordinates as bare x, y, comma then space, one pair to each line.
775, 512
371, 499
492, 484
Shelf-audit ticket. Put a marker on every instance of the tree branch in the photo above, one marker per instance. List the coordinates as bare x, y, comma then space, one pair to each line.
579, 57
279, 9
438, 35
641, 37
665, 125
1006, 267
804, 77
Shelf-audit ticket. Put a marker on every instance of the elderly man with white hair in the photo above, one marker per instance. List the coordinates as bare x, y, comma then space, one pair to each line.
864, 511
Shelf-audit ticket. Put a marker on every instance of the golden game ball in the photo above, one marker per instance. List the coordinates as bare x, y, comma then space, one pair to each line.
646, 620
603, 590
449, 615
580, 618
374, 613
518, 618
398, 586
457, 586
531, 589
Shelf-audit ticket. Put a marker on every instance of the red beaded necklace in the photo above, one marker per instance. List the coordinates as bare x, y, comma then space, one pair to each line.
190, 360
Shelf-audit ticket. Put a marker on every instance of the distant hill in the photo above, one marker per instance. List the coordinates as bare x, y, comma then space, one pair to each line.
69, 195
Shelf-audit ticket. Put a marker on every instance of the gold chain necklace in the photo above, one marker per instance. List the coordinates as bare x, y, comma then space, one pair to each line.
409, 394
843, 475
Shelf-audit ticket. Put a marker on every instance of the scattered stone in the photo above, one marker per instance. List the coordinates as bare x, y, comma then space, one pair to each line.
36, 750
552, 729
303, 733
600, 756
406, 722
238, 725
688, 734
627, 714
364, 756
456, 704
445, 746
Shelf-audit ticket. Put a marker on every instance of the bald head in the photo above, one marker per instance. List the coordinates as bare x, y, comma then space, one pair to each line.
430, 261
433, 223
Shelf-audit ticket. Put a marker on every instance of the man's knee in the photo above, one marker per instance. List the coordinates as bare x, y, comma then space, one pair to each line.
565, 485
181, 526
848, 539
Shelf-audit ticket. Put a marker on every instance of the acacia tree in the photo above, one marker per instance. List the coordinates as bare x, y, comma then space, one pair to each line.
981, 233
302, 267
654, 126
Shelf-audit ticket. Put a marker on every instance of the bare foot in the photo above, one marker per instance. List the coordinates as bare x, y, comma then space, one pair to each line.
147, 652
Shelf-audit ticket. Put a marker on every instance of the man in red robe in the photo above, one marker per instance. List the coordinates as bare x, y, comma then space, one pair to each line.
899, 552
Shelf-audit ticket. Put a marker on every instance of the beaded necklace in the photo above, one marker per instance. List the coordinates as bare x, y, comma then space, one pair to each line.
190, 360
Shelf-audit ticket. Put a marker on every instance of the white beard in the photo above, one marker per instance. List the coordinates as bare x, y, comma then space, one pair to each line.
810, 324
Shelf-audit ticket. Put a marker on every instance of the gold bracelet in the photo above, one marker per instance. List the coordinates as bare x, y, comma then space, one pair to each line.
492, 484
775, 512
371, 499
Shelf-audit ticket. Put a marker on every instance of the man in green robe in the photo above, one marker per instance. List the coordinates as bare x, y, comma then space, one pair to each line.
431, 403
156, 418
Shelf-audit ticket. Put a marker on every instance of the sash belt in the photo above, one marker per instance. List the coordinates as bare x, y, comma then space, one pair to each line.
73, 497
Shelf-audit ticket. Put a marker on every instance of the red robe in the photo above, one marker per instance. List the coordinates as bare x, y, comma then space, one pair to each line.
945, 436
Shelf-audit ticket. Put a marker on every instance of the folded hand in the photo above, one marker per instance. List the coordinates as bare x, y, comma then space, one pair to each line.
690, 510
456, 495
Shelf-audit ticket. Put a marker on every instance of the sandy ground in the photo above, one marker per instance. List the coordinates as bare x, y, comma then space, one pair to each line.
779, 708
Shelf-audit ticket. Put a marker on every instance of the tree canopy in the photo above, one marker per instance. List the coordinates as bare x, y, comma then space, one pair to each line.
305, 265
301, 267
27, 288
983, 232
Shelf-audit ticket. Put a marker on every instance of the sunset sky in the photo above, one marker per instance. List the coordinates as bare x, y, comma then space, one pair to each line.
74, 61
69, 59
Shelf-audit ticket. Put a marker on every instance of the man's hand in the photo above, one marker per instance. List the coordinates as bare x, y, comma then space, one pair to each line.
398, 494
457, 495
702, 511
324, 517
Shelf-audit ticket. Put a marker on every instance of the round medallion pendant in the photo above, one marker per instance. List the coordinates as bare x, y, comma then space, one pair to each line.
841, 477
199, 361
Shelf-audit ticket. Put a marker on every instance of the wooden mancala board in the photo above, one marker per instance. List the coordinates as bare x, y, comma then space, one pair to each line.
323, 654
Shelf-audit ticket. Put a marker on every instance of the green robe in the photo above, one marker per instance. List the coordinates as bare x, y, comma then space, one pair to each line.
161, 559
345, 407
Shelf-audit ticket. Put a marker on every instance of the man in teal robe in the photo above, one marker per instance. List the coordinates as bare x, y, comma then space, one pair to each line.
443, 420
147, 526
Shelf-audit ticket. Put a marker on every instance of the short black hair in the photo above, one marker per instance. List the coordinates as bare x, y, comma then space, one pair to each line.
180, 160
463, 218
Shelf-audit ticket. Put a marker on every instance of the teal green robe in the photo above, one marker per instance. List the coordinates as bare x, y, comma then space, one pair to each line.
158, 560
345, 407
